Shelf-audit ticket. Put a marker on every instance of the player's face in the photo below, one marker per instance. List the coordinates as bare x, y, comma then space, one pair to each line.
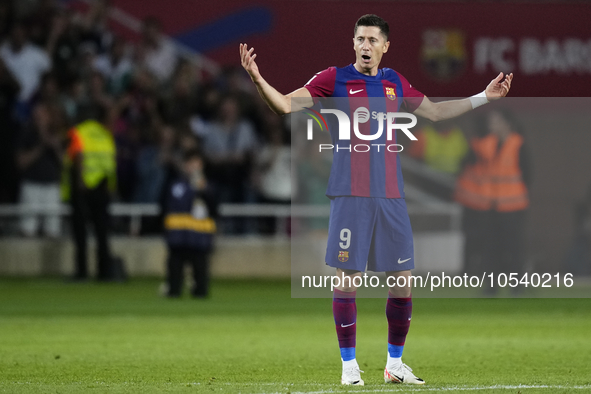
370, 45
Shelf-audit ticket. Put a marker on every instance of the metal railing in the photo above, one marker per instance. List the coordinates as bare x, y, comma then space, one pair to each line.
136, 211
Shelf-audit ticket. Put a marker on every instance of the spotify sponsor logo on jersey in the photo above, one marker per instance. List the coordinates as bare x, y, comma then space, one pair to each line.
385, 123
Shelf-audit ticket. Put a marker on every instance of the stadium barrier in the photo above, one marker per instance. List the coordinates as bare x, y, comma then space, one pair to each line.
249, 256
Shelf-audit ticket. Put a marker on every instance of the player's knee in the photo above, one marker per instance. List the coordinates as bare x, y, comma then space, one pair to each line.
400, 292
345, 280
400, 284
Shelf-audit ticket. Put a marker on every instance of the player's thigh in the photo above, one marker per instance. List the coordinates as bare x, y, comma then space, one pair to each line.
392, 248
349, 232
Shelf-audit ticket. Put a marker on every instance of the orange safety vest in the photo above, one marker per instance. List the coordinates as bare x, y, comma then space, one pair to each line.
494, 181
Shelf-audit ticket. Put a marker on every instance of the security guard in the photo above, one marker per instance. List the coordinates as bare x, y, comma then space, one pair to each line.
442, 146
493, 188
494, 181
190, 227
89, 180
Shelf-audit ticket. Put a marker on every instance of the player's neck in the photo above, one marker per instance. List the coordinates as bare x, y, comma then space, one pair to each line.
369, 72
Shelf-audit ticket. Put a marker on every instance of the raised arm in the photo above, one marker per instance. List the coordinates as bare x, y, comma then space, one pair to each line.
279, 103
496, 89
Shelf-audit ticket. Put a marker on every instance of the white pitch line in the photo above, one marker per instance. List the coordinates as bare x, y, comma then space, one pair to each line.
454, 388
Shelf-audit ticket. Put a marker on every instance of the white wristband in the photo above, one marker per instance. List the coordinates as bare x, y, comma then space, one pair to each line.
478, 99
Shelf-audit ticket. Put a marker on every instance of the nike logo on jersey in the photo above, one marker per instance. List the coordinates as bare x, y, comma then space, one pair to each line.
351, 91
348, 325
403, 261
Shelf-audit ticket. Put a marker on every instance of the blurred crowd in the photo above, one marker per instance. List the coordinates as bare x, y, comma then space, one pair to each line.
58, 63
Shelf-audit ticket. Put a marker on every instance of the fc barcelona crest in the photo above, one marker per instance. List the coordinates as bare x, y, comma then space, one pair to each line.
343, 256
391, 93
443, 53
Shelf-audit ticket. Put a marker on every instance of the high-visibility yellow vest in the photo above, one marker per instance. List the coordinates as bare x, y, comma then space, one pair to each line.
444, 151
96, 145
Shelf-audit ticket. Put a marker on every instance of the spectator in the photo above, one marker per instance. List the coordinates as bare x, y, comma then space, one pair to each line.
63, 61
40, 20
154, 164
73, 96
6, 17
274, 170
143, 101
25, 61
59, 119
209, 101
86, 69
95, 26
63, 46
181, 102
187, 141
116, 67
156, 53
313, 171
50, 92
39, 159
229, 144
128, 147
97, 91
237, 83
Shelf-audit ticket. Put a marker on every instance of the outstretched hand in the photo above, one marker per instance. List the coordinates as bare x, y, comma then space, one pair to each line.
247, 60
498, 87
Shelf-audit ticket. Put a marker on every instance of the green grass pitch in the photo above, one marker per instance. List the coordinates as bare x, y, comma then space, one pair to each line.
251, 337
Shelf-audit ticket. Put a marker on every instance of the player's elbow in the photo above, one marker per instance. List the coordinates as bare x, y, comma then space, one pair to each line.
430, 112
436, 118
436, 114
281, 111
282, 108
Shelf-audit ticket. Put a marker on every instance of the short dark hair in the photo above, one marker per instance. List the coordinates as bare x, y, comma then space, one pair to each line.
373, 20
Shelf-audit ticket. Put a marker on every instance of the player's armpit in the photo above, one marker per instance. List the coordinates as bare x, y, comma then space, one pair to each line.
302, 97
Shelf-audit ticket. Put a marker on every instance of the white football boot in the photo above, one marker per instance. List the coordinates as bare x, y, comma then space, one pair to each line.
401, 374
352, 376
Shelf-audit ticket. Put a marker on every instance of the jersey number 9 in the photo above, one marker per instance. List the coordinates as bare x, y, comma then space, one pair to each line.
346, 238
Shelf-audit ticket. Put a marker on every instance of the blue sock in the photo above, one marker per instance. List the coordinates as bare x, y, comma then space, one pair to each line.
348, 353
395, 351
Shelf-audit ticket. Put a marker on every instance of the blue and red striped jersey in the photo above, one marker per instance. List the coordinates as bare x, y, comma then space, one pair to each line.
376, 172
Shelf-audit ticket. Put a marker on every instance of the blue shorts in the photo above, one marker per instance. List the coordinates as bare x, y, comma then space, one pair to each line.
372, 233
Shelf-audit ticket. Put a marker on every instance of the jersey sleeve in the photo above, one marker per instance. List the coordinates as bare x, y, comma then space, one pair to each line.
412, 96
322, 84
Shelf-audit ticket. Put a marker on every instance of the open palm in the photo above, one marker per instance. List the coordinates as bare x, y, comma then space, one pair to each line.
498, 87
247, 59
